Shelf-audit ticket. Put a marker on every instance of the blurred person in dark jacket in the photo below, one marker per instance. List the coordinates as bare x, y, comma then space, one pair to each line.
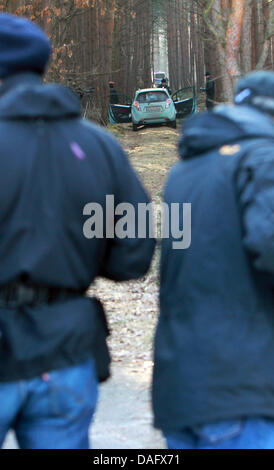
209, 90
53, 346
113, 96
213, 377
165, 85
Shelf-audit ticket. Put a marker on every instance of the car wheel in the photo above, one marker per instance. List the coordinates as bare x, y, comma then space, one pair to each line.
173, 124
134, 127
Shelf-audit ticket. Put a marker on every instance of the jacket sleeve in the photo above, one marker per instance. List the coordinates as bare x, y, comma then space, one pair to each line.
127, 257
256, 186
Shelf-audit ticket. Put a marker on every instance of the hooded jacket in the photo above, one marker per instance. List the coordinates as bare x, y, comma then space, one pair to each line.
52, 164
214, 344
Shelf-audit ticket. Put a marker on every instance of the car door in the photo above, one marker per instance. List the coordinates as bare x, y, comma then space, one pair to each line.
120, 113
185, 101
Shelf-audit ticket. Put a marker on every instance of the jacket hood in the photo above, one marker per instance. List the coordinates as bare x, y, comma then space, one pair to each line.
225, 125
24, 96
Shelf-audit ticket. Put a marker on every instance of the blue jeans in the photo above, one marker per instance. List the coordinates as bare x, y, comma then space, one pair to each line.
53, 411
249, 433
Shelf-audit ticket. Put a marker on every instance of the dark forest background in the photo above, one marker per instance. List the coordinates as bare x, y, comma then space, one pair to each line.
100, 40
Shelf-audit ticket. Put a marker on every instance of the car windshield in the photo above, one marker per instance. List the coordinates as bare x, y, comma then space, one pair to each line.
159, 75
152, 96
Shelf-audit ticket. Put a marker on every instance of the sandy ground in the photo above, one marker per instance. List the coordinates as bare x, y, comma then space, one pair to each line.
124, 416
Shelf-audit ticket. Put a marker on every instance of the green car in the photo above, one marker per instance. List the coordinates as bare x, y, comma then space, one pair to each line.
153, 106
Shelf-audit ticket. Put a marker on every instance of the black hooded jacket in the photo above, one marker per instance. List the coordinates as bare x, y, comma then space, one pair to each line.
52, 164
214, 344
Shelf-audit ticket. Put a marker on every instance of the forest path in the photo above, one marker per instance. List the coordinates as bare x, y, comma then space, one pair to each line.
124, 417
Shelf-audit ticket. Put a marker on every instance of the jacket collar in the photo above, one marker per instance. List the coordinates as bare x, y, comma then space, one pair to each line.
225, 125
19, 79
25, 96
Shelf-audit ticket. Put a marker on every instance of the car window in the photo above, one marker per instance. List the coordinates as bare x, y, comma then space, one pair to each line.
152, 96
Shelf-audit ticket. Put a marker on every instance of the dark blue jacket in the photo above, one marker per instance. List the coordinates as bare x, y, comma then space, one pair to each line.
214, 344
52, 163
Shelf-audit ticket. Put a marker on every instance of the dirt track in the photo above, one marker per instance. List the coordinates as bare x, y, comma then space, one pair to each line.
123, 419
132, 309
